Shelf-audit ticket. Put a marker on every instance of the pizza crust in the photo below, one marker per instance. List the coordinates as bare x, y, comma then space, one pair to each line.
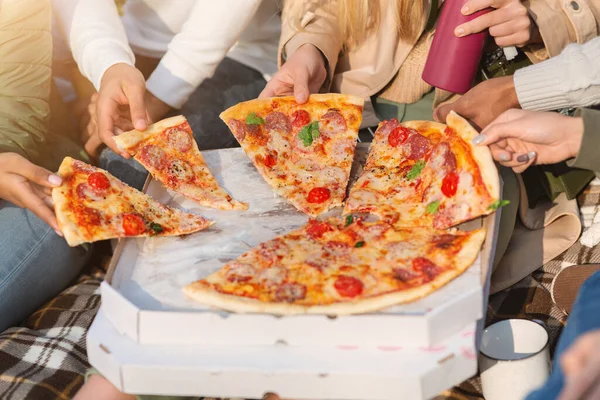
132, 138
481, 154
463, 260
336, 101
66, 225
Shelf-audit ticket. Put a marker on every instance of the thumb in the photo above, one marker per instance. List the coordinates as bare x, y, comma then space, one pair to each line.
495, 132
301, 91
37, 174
441, 113
135, 97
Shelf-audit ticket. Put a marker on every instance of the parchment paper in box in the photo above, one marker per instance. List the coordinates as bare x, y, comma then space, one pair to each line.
145, 300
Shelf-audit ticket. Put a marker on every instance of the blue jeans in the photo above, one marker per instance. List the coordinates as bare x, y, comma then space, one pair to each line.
35, 263
584, 317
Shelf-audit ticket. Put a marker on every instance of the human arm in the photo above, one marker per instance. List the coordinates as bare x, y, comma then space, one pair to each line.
308, 54
518, 139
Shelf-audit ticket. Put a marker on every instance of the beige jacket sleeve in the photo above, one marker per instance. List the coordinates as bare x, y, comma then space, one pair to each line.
319, 27
561, 22
25, 76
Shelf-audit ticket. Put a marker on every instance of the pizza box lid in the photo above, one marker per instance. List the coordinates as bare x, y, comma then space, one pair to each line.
142, 295
298, 372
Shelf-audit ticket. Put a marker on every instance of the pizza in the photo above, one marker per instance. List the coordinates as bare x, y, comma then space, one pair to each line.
304, 151
167, 149
423, 173
339, 267
93, 205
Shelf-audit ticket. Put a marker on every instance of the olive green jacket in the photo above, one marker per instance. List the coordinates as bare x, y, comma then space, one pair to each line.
589, 152
25, 85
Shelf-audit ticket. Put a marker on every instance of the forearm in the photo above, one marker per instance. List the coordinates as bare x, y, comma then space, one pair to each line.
96, 36
571, 79
194, 53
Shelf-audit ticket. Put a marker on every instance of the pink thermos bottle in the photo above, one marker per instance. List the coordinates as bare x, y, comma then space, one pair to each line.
452, 62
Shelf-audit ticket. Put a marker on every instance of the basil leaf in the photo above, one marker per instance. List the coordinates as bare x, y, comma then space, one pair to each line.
309, 133
156, 227
359, 244
433, 207
498, 203
253, 119
349, 220
415, 170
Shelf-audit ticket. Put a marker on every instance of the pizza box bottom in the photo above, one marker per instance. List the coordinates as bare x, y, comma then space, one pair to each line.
294, 372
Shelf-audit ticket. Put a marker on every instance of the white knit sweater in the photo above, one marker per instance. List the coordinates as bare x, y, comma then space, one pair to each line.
191, 37
571, 79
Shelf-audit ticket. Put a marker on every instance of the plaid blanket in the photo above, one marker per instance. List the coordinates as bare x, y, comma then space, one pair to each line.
46, 357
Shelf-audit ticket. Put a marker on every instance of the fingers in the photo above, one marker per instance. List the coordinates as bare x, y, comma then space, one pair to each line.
37, 206
135, 98
268, 91
483, 22
107, 114
575, 358
576, 386
35, 173
301, 90
441, 113
473, 6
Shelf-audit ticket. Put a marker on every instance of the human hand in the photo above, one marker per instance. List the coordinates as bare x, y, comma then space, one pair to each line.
28, 186
581, 367
509, 23
518, 139
302, 74
483, 103
122, 87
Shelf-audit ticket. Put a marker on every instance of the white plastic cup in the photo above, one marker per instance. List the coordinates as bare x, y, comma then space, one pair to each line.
513, 359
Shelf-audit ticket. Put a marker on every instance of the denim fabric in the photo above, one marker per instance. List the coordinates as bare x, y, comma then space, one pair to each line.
584, 317
35, 263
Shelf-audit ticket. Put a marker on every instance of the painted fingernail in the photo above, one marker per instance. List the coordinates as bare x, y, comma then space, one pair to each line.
478, 139
464, 10
55, 180
504, 157
526, 157
459, 31
59, 233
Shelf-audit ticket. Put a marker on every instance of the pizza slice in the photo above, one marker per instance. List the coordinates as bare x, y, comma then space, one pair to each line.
93, 205
424, 173
167, 149
304, 151
334, 268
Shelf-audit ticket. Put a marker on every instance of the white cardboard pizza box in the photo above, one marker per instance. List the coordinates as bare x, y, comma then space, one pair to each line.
294, 372
142, 296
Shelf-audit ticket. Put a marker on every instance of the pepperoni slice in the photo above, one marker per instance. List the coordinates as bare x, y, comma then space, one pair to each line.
300, 118
426, 266
256, 133
179, 139
98, 182
317, 229
332, 123
318, 195
416, 147
133, 224
348, 286
443, 219
398, 136
290, 292
277, 121
153, 156
337, 248
179, 172
403, 275
387, 127
238, 128
450, 184
240, 272
442, 158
